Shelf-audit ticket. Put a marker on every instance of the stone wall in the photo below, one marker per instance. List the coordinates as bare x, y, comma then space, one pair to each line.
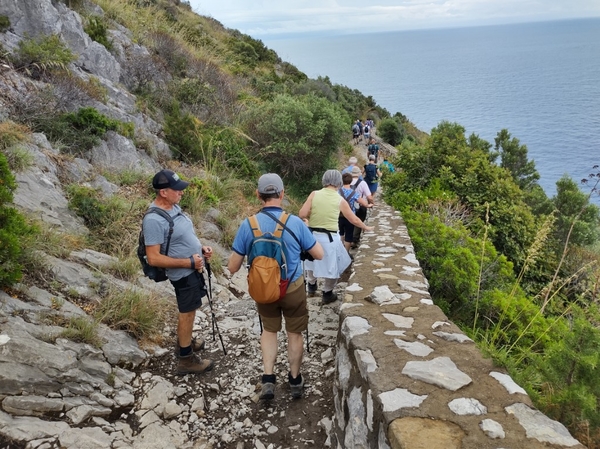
406, 377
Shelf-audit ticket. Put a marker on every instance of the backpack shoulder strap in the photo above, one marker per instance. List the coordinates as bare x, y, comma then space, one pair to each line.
253, 221
283, 218
163, 213
281, 223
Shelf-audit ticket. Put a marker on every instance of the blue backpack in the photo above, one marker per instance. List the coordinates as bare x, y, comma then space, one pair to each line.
371, 173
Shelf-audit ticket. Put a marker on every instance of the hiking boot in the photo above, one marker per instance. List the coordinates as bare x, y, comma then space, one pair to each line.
268, 391
312, 288
296, 389
329, 297
198, 344
193, 364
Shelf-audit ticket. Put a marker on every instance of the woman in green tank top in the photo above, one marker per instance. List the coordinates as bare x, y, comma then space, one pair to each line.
320, 212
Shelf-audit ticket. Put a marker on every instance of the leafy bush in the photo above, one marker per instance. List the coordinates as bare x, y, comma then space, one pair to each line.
81, 130
297, 137
39, 56
13, 228
391, 131
96, 28
4, 23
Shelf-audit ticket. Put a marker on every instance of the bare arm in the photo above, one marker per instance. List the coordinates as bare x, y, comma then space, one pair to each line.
235, 262
304, 212
156, 259
317, 251
347, 212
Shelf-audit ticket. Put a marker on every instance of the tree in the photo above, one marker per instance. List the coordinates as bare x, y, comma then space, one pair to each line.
297, 136
513, 157
391, 131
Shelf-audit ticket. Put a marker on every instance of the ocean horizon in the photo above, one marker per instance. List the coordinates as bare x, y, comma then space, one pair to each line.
539, 80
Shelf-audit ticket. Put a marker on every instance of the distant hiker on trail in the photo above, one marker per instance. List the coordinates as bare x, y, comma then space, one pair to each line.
386, 167
354, 200
184, 264
296, 238
355, 132
367, 132
352, 163
360, 128
372, 174
321, 211
373, 149
363, 189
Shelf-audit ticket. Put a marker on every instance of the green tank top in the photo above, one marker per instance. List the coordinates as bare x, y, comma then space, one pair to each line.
325, 210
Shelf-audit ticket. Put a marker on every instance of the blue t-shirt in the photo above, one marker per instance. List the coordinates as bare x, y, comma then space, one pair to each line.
243, 238
184, 241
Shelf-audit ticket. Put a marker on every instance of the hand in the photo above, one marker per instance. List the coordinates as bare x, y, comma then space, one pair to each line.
370, 205
207, 251
198, 262
369, 228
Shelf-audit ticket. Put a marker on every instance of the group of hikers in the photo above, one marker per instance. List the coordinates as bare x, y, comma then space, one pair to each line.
315, 245
360, 130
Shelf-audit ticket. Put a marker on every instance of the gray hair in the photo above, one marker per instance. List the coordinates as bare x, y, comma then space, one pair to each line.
332, 178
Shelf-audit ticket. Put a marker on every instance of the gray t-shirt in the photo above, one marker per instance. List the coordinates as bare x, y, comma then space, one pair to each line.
184, 241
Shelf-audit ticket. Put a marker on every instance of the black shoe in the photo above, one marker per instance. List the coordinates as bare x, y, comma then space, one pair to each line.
329, 297
296, 389
312, 288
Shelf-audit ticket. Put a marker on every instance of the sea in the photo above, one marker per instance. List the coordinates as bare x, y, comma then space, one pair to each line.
540, 81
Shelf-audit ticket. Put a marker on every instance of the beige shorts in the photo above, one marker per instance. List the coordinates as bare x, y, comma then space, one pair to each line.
292, 306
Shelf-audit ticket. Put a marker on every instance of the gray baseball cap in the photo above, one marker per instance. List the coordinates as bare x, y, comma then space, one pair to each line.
270, 183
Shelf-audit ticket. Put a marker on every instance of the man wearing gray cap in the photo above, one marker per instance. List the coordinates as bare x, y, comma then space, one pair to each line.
293, 305
184, 262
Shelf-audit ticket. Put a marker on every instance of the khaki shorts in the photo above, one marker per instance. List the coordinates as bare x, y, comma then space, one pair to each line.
292, 306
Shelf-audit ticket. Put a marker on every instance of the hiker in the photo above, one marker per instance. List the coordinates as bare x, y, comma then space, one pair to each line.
351, 164
355, 132
293, 305
321, 211
354, 199
363, 189
372, 174
386, 167
373, 149
367, 131
360, 129
184, 265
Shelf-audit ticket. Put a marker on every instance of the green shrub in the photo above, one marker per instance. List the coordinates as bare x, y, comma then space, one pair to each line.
81, 130
13, 228
391, 131
4, 23
96, 28
87, 203
41, 55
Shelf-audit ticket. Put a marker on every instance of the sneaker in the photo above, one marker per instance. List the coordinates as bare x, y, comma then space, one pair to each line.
193, 364
329, 297
297, 389
312, 288
268, 391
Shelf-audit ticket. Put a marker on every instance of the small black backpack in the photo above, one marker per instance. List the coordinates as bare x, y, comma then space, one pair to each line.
155, 273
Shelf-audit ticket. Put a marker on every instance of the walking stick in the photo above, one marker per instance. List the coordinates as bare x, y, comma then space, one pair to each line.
212, 312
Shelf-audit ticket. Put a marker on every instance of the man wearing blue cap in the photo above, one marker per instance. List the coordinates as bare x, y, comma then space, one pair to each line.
184, 263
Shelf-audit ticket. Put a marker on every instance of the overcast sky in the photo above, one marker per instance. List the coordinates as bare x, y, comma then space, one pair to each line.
268, 18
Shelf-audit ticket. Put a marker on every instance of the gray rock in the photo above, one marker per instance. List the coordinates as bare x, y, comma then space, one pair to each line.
25, 428
467, 406
414, 347
400, 398
118, 153
492, 429
89, 438
539, 426
31, 405
440, 371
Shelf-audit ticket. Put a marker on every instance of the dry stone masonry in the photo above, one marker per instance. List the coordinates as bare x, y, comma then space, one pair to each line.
407, 378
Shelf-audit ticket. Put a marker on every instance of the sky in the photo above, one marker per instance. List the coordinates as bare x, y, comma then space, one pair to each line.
272, 18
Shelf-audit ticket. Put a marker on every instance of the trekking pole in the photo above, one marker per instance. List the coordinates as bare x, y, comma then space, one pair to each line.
212, 312
306, 291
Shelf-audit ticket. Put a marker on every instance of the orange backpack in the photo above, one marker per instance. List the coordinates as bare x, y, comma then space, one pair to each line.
267, 266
